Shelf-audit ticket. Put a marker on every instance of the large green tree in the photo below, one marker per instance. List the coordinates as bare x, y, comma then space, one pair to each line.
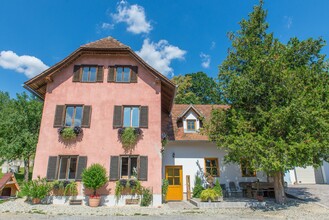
196, 88
19, 127
279, 98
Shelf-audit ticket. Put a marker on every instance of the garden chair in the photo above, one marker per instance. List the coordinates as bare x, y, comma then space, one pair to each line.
224, 190
233, 188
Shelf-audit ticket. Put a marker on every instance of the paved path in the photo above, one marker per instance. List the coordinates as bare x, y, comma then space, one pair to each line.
311, 193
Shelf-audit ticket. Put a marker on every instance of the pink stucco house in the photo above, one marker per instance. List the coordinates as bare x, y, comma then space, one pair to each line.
101, 87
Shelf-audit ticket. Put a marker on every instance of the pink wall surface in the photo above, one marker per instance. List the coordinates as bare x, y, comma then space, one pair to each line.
100, 141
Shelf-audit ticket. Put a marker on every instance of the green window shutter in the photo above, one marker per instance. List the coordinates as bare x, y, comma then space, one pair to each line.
52, 168
133, 77
117, 116
114, 168
100, 74
59, 116
76, 73
143, 167
86, 116
143, 117
110, 76
82, 164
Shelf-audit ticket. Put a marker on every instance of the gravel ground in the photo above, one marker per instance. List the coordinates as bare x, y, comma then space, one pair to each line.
18, 209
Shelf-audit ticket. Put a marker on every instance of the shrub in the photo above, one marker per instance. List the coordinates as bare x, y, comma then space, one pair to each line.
197, 187
218, 189
36, 189
208, 194
165, 184
146, 197
71, 189
94, 177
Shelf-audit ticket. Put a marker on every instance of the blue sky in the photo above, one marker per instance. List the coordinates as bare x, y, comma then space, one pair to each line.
176, 37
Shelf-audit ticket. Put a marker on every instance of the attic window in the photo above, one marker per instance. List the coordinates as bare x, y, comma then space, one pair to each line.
191, 125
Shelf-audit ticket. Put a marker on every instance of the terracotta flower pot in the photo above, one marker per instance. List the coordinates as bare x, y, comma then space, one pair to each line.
36, 201
94, 202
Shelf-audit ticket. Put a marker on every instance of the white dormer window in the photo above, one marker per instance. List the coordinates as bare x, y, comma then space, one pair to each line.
191, 122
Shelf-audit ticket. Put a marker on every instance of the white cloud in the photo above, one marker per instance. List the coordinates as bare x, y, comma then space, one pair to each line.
107, 26
159, 55
205, 58
288, 21
29, 65
134, 16
213, 45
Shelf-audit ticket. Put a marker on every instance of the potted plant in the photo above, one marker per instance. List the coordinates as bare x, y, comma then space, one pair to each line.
69, 133
208, 195
36, 190
93, 178
129, 137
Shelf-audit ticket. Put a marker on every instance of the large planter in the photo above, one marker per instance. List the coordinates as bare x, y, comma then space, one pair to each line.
36, 201
94, 202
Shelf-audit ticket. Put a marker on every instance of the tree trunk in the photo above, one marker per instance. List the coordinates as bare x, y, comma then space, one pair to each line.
26, 169
280, 196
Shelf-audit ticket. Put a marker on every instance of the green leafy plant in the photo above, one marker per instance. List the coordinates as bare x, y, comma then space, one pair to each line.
94, 177
128, 137
197, 187
147, 197
133, 185
218, 188
38, 188
71, 189
208, 194
165, 184
68, 134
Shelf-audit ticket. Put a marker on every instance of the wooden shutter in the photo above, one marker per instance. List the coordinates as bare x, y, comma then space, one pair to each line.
143, 166
114, 168
133, 76
100, 74
143, 117
76, 73
86, 116
111, 75
82, 164
117, 116
59, 116
52, 168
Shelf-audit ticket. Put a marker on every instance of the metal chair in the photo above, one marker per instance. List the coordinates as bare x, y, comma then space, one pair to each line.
224, 190
233, 188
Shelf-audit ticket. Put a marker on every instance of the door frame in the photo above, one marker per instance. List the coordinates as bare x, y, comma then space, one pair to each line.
181, 179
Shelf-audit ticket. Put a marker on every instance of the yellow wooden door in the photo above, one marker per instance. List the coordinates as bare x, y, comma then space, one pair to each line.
174, 176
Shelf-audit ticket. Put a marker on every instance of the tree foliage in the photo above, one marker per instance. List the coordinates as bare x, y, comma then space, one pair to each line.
279, 97
19, 127
196, 88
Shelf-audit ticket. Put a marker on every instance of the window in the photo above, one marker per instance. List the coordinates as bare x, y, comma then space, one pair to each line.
246, 170
191, 125
211, 165
89, 74
128, 167
122, 74
130, 116
67, 167
73, 116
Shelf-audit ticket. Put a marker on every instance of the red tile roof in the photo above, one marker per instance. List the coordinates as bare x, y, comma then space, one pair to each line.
174, 127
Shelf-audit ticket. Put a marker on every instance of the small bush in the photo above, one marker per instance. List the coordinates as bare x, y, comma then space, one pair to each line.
94, 177
218, 189
36, 189
165, 185
197, 187
146, 197
208, 194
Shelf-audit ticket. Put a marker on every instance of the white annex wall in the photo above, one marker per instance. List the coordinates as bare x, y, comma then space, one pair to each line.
191, 154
